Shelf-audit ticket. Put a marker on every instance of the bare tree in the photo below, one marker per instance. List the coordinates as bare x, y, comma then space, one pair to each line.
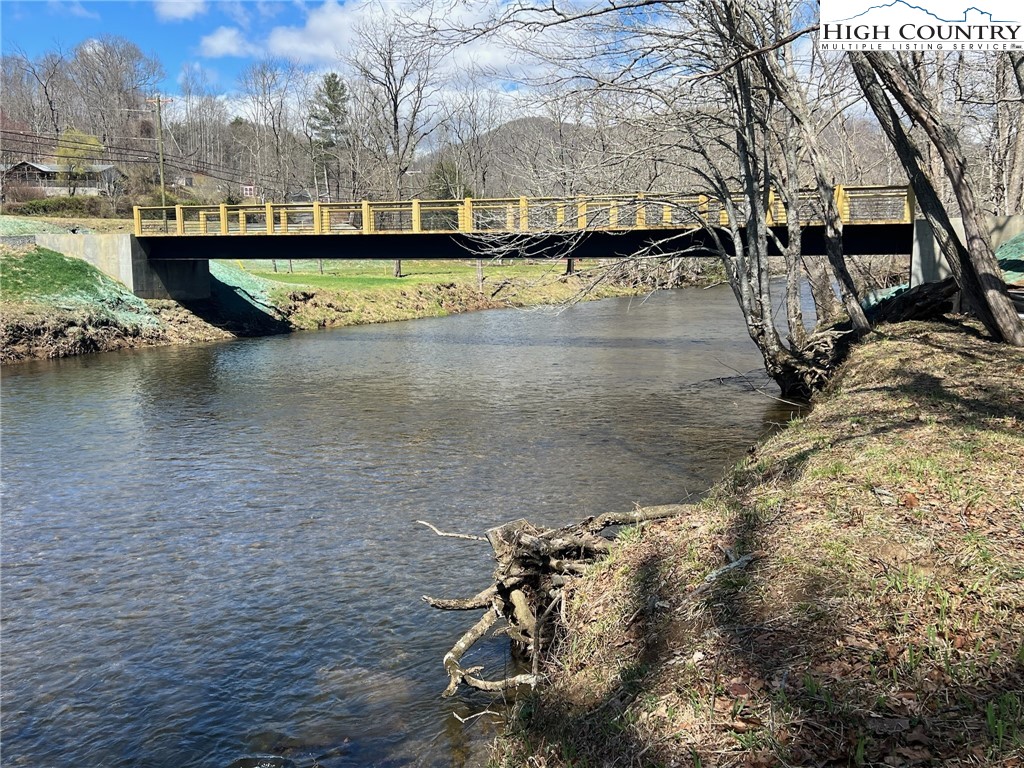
112, 79
471, 115
698, 70
397, 89
42, 95
201, 130
273, 127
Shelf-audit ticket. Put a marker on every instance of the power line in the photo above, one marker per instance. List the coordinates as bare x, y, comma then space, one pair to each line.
45, 141
127, 156
123, 155
77, 143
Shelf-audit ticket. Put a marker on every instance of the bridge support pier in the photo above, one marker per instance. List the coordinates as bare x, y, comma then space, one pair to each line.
928, 265
124, 258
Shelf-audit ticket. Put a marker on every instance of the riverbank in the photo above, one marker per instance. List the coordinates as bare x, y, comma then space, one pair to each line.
873, 612
53, 306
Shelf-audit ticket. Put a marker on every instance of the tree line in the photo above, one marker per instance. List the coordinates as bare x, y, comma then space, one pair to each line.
394, 119
710, 96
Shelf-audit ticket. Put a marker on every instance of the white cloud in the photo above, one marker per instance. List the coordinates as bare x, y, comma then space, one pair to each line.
72, 8
268, 9
199, 75
235, 10
178, 10
226, 41
328, 29
331, 30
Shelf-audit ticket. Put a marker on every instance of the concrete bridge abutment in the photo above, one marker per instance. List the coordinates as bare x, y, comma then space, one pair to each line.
928, 265
124, 258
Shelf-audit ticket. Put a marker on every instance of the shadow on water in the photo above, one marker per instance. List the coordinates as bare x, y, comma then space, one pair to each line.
233, 309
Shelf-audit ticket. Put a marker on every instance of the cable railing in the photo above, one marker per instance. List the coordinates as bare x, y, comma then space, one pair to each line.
855, 204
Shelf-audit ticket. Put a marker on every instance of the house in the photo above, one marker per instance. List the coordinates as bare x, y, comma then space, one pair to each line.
52, 180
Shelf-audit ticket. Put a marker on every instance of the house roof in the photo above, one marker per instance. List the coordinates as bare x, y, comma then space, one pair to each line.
48, 168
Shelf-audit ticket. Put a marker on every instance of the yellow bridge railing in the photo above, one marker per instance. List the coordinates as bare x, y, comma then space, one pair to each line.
856, 205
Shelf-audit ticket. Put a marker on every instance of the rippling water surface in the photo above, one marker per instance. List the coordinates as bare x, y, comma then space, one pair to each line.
210, 553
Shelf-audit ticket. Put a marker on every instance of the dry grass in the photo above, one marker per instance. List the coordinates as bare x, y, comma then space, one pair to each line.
881, 624
313, 307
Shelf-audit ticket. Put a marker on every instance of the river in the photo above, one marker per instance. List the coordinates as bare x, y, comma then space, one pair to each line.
210, 553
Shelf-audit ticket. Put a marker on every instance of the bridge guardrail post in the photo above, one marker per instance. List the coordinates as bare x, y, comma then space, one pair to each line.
367, 218
317, 219
179, 219
702, 208
224, 219
270, 218
137, 215
417, 222
524, 215
581, 213
467, 215
641, 211
910, 206
842, 204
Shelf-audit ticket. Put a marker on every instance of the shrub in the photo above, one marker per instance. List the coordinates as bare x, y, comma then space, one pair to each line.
20, 192
60, 206
97, 207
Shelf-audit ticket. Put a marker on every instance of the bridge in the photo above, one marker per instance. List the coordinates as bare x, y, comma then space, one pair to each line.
877, 220
169, 253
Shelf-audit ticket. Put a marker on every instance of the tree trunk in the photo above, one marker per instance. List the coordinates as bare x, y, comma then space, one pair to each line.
975, 268
784, 87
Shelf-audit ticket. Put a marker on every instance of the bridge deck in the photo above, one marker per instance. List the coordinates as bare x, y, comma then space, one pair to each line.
649, 213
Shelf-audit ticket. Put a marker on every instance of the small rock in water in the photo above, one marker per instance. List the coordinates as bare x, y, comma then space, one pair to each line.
263, 762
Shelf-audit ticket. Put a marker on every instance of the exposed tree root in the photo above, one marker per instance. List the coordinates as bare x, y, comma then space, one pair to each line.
532, 566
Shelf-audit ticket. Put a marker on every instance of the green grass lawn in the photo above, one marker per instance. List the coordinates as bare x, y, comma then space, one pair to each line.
374, 274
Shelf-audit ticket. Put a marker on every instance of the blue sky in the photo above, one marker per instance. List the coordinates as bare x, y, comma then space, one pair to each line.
219, 36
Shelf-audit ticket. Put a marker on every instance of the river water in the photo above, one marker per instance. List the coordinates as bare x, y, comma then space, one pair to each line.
210, 553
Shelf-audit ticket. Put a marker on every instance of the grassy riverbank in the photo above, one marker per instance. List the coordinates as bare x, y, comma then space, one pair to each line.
357, 293
879, 617
53, 306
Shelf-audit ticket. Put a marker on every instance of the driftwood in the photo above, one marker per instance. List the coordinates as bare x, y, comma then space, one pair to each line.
532, 568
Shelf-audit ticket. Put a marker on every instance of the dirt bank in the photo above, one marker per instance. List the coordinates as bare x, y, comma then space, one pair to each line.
879, 617
53, 306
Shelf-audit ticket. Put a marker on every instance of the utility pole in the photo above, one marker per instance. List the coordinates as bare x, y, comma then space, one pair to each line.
160, 153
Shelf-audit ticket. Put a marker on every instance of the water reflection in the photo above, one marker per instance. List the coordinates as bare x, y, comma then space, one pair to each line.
210, 553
